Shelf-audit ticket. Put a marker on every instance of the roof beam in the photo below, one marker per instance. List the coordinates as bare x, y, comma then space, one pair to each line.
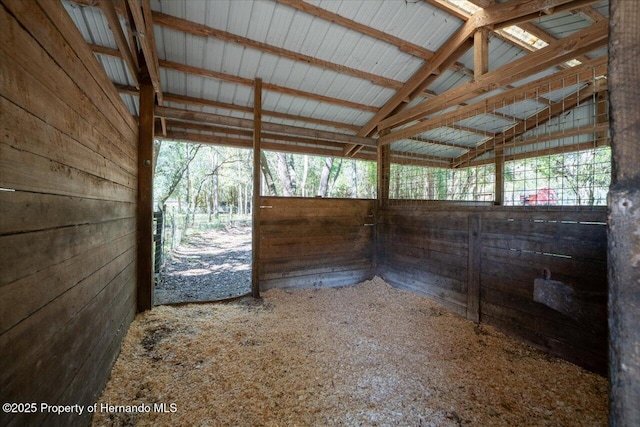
201, 102
248, 132
441, 143
243, 81
583, 41
201, 30
501, 15
196, 116
502, 139
111, 15
565, 78
527, 26
141, 15
265, 86
403, 45
493, 16
248, 143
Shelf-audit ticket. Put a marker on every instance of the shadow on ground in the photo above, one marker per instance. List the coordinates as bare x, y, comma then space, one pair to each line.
210, 266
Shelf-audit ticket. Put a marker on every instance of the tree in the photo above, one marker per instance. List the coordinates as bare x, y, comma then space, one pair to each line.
286, 173
267, 175
172, 167
324, 177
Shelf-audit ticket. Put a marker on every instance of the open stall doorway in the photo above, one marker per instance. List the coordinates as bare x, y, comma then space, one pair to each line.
203, 199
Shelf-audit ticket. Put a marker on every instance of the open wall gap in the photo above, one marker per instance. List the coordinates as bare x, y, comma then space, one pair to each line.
203, 197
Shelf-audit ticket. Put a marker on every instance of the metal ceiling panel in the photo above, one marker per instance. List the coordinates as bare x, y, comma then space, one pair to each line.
522, 110
275, 24
561, 25
487, 123
452, 136
416, 147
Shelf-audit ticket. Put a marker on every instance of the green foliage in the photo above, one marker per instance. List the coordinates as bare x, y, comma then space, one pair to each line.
347, 179
428, 183
578, 178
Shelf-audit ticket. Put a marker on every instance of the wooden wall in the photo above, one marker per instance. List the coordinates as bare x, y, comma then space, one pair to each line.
315, 242
489, 257
67, 208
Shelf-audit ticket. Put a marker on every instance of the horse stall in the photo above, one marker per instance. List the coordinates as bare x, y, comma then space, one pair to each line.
487, 277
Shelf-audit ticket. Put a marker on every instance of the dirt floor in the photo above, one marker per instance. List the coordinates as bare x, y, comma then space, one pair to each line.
362, 355
208, 267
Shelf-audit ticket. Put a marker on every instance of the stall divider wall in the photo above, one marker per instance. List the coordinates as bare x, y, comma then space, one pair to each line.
315, 242
489, 257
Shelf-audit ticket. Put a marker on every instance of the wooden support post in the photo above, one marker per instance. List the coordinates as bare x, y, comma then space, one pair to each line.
602, 117
255, 240
624, 215
384, 173
473, 270
480, 52
145, 196
499, 184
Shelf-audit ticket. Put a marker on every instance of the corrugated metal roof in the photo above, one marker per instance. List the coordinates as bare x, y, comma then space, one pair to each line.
562, 24
425, 148
284, 27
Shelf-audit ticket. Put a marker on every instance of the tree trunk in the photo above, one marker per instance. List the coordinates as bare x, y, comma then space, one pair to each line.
324, 177
354, 179
336, 175
305, 173
268, 176
284, 173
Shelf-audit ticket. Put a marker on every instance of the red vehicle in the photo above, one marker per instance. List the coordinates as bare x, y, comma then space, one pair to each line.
544, 197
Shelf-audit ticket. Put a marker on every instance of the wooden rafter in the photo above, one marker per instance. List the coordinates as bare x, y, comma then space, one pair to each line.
196, 116
441, 143
565, 78
583, 41
266, 86
248, 143
201, 30
121, 40
514, 12
243, 81
200, 102
502, 139
529, 27
591, 14
144, 34
494, 16
403, 45
176, 124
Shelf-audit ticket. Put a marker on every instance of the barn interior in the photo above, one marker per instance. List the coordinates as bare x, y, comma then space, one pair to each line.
453, 88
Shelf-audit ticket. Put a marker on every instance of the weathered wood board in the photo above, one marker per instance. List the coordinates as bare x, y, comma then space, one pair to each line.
67, 235
481, 262
308, 242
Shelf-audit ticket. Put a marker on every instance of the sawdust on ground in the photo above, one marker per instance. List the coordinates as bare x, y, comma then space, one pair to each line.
361, 355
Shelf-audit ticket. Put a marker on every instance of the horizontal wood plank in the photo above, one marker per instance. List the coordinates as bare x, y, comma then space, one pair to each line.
322, 280
72, 344
26, 171
20, 299
28, 253
83, 97
27, 212
26, 132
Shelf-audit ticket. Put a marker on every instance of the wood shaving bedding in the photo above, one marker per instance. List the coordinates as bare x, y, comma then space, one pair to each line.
363, 355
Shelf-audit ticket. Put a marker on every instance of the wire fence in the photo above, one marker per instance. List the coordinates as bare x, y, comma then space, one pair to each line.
172, 227
542, 144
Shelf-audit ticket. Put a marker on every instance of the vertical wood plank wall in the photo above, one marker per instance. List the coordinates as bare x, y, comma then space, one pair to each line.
67, 214
426, 250
315, 242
